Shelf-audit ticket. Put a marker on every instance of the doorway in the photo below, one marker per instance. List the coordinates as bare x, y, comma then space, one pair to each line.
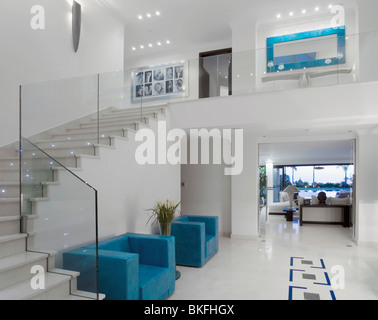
313, 167
215, 73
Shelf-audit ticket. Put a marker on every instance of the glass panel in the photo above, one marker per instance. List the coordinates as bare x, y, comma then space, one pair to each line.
249, 71
244, 72
216, 75
59, 211
51, 113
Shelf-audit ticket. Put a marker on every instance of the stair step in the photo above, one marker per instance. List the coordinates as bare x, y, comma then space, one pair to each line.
83, 295
90, 135
9, 206
161, 108
72, 143
115, 123
137, 116
9, 189
44, 161
17, 268
78, 296
66, 151
104, 128
56, 288
12, 244
9, 153
9, 225
10, 163
9, 200
9, 174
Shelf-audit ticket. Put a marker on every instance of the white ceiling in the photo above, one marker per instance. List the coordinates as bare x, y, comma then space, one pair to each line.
307, 152
195, 23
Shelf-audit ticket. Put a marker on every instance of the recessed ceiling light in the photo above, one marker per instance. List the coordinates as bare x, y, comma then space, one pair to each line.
150, 45
330, 6
304, 11
159, 43
157, 13
278, 16
168, 42
142, 47
133, 48
140, 17
291, 13
317, 9
148, 15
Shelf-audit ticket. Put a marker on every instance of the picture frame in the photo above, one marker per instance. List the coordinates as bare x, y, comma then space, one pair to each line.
308, 59
161, 81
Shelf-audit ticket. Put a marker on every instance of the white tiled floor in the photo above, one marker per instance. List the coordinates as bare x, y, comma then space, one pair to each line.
260, 269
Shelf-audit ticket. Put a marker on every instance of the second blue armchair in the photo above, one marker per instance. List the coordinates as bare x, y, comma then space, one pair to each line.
196, 239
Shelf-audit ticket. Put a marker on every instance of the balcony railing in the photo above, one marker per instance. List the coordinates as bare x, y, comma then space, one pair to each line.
51, 104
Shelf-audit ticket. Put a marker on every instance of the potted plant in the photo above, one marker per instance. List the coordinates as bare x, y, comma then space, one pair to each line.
164, 213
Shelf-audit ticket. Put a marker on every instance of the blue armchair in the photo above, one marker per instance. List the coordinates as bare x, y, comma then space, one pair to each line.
196, 239
131, 267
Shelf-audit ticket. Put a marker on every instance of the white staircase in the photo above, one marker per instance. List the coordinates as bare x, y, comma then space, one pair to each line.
68, 145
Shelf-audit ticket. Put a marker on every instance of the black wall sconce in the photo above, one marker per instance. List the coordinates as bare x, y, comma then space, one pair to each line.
76, 24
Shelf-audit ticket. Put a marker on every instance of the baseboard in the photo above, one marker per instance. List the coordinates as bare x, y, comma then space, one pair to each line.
369, 244
242, 237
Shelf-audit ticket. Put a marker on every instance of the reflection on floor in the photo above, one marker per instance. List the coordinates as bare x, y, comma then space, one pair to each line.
286, 262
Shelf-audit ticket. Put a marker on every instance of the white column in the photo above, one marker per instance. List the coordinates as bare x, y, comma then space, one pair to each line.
269, 184
245, 194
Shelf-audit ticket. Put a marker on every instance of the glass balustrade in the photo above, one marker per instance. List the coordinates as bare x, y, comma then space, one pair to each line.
59, 212
85, 109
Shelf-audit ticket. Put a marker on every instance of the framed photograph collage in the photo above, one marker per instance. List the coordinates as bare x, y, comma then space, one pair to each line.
161, 81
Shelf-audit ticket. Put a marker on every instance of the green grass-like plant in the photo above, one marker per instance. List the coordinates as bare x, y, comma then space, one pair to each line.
164, 213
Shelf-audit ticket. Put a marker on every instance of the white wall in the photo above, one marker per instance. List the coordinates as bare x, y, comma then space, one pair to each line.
206, 190
30, 56
368, 40
126, 190
293, 115
316, 109
366, 188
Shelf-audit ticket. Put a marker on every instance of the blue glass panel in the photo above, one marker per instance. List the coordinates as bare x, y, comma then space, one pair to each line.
300, 61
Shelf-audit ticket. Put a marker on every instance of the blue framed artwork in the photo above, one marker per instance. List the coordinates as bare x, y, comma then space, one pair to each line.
305, 60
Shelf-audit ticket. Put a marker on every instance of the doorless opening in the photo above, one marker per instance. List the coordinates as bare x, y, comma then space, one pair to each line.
215, 73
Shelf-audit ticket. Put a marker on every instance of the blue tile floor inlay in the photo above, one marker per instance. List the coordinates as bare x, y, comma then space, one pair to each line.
309, 280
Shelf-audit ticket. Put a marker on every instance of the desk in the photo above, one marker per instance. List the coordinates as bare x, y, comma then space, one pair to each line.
289, 213
346, 214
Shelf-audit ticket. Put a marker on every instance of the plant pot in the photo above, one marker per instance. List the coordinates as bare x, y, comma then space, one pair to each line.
165, 228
